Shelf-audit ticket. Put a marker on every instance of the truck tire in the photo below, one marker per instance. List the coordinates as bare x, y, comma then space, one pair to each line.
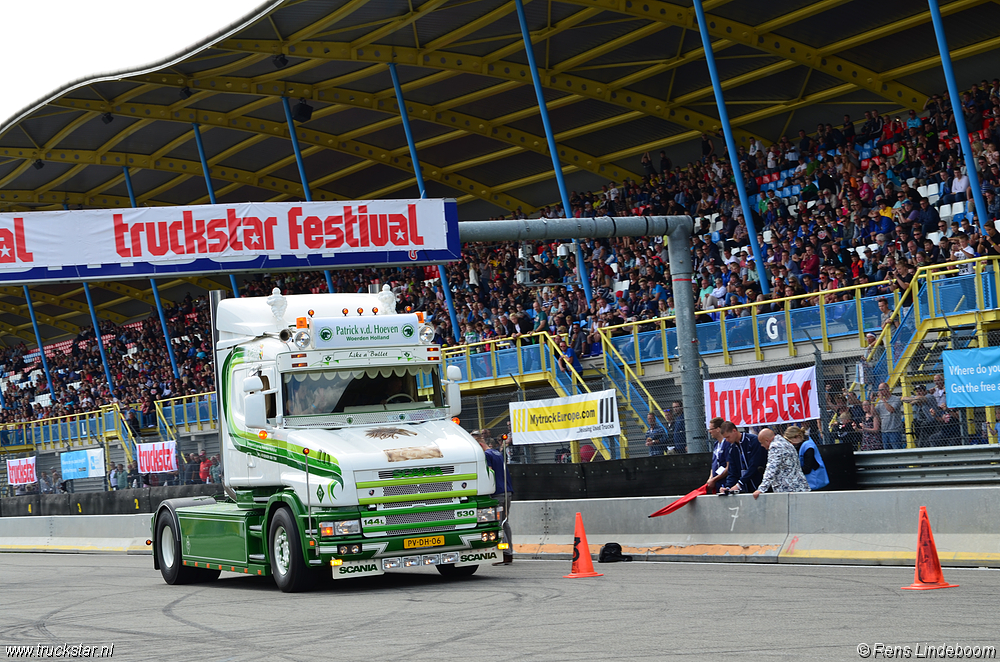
451, 570
285, 545
168, 553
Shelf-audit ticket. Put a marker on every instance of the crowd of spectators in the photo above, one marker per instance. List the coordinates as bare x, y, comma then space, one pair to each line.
850, 186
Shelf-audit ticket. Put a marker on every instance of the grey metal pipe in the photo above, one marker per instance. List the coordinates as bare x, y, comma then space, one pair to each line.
692, 389
561, 228
678, 230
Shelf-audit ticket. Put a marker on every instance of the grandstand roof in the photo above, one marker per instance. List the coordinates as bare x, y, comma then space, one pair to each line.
622, 77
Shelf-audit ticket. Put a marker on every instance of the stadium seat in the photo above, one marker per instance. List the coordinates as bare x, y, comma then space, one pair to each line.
864, 163
866, 154
945, 213
861, 252
767, 236
796, 190
922, 191
935, 237
934, 197
911, 181
874, 248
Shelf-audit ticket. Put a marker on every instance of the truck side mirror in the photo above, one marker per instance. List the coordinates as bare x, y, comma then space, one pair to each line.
255, 414
254, 383
453, 390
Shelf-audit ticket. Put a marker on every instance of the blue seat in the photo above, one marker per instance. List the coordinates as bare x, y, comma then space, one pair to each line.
866, 154
796, 189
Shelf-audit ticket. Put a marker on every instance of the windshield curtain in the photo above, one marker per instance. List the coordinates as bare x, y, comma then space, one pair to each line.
316, 392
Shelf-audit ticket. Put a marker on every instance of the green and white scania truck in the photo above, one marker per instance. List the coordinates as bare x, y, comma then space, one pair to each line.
340, 452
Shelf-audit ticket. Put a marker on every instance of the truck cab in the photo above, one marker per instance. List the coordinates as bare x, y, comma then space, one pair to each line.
342, 454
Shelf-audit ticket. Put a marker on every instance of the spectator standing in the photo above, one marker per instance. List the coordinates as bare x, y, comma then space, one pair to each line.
871, 428
889, 410
678, 434
503, 492
122, 478
747, 459
720, 459
656, 435
783, 472
810, 459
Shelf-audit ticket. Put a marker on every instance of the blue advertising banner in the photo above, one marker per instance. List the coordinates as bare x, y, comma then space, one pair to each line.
82, 464
972, 377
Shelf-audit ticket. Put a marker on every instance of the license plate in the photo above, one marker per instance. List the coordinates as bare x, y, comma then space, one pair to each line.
430, 541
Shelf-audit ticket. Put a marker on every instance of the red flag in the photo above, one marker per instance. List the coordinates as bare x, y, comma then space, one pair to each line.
683, 501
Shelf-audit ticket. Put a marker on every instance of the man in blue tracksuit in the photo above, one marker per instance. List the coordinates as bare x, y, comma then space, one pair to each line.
747, 459
503, 493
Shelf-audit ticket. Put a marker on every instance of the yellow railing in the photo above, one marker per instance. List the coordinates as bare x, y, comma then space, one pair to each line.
188, 413
819, 299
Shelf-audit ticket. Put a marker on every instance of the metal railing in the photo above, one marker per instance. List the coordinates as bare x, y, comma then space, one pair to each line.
745, 327
187, 413
920, 467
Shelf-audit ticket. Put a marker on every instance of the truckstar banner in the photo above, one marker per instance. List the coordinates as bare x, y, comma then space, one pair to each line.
21, 472
87, 463
780, 397
157, 458
565, 419
145, 241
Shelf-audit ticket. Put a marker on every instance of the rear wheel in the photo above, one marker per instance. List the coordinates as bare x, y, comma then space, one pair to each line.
287, 564
451, 570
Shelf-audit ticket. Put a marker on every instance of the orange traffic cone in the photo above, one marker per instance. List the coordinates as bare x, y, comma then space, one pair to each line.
583, 566
927, 574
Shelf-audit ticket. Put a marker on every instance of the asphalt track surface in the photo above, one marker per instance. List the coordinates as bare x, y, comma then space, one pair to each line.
636, 611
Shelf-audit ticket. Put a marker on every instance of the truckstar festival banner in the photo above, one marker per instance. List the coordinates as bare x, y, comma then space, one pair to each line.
21, 472
157, 458
565, 419
780, 397
112, 243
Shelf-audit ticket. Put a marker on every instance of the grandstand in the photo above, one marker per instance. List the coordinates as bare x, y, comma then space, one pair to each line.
624, 82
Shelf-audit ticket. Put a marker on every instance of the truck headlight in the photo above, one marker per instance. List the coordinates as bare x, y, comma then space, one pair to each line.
426, 334
302, 339
486, 514
326, 529
347, 527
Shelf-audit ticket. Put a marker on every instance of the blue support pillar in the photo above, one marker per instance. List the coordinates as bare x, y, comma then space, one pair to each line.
956, 107
307, 192
706, 40
152, 284
236, 289
405, 117
100, 341
543, 110
38, 337
128, 186
204, 162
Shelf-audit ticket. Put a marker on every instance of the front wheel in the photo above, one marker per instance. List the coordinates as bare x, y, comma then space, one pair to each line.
451, 570
287, 564
168, 554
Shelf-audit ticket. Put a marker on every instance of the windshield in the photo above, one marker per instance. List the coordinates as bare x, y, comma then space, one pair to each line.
317, 392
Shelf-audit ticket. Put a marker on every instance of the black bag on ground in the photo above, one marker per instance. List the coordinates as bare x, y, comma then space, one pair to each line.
612, 553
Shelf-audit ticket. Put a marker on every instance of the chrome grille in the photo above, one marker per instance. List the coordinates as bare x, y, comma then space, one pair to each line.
389, 473
422, 488
416, 518
411, 504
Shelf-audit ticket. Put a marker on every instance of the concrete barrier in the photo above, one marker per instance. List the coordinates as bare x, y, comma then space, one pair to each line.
75, 534
872, 527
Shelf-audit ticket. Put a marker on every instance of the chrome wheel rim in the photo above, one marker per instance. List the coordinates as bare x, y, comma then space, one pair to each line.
167, 546
281, 554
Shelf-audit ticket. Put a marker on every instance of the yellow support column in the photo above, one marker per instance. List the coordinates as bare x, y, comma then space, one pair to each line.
479, 411
758, 352
635, 348
822, 322
788, 327
908, 431
663, 343
722, 334
861, 317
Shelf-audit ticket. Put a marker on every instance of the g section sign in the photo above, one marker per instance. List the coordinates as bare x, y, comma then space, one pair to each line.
565, 419
780, 397
110, 243
972, 377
